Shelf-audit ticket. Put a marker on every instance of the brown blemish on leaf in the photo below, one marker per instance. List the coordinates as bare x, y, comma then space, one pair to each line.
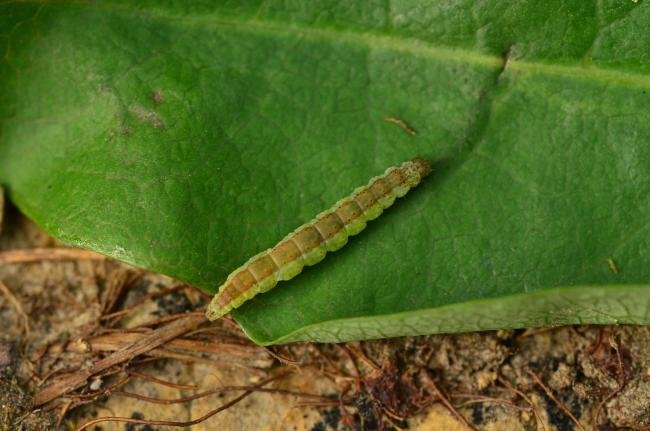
408, 129
145, 116
157, 96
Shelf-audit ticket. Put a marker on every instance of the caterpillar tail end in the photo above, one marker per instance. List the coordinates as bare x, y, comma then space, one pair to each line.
215, 310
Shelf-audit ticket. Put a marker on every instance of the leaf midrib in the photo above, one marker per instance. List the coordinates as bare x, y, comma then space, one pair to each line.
416, 47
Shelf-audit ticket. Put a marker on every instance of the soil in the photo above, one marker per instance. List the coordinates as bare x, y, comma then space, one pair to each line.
60, 315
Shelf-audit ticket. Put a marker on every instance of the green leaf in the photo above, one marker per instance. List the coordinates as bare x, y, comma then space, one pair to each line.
185, 137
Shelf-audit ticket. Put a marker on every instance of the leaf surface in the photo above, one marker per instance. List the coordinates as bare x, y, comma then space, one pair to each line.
186, 137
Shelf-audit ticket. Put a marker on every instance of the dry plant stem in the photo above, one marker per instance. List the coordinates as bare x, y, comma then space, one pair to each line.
166, 423
152, 379
236, 350
222, 335
328, 362
333, 403
443, 399
249, 391
282, 359
394, 425
332, 376
117, 284
621, 385
163, 353
232, 324
361, 355
42, 254
392, 414
318, 398
142, 299
41, 380
109, 388
355, 367
601, 404
103, 331
64, 410
474, 399
511, 388
17, 306
552, 396
119, 340
166, 319
147, 343
104, 391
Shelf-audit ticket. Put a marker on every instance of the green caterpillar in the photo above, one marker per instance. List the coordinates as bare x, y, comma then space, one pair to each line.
308, 244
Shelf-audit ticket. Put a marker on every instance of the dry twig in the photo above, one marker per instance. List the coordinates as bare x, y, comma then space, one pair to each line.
552, 396
118, 283
355, 367
152, 379
622, 381
152, 340
17, 306
223, 389
474, 399
283, 359
141, 300
362, 356
443, 399
511, 388
48, 254
248, 391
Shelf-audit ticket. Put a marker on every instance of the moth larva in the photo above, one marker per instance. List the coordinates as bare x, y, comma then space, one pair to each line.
308, 244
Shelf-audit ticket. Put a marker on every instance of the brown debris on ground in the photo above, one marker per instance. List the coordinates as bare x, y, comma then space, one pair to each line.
89, 343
